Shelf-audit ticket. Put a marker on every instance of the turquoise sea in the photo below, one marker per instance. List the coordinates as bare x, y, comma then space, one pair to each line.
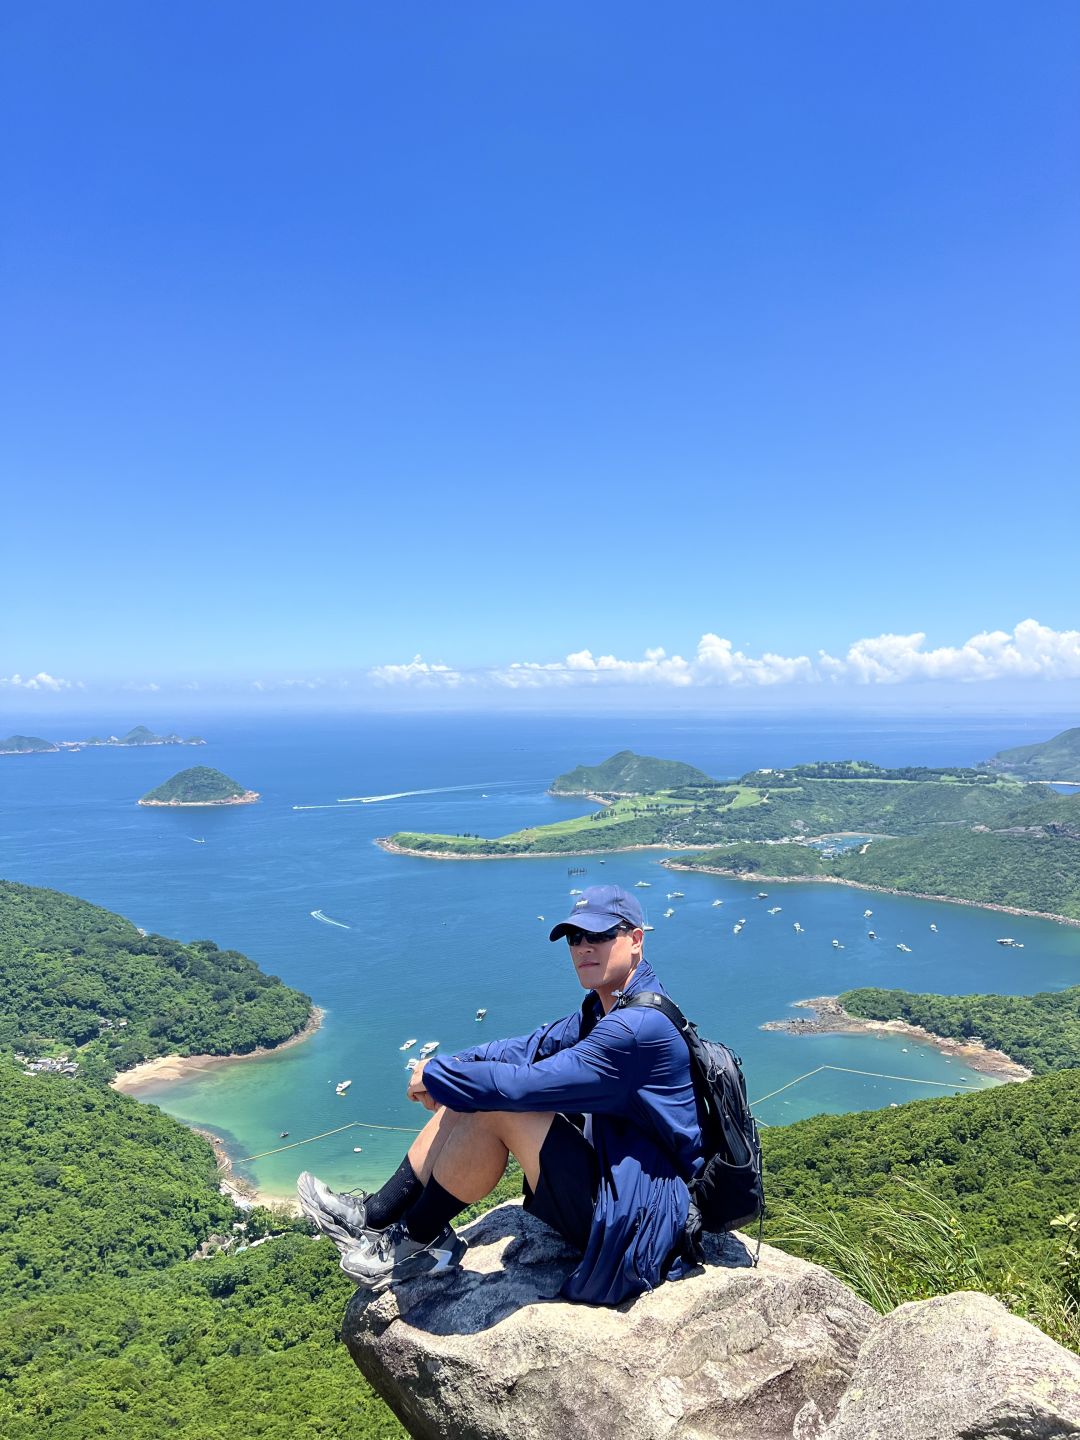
409, 947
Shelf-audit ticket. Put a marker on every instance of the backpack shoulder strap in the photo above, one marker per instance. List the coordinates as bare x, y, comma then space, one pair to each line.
657, 1002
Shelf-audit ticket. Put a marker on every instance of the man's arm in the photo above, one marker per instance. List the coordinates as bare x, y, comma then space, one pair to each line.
521, 1049
595, 1075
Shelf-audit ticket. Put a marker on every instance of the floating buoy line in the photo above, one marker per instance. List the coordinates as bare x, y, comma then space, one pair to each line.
408, 1130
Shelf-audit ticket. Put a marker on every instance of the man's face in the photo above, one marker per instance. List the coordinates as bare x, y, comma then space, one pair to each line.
605, 964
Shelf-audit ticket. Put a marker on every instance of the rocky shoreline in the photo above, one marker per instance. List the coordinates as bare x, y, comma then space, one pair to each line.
830, 1018
247, 798
387, 843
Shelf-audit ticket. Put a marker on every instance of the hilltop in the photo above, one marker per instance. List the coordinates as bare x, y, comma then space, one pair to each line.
628, 774
200, 785
26, 745
1056, 759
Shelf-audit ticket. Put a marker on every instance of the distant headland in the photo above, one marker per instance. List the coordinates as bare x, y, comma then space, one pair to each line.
140, 735
200, 786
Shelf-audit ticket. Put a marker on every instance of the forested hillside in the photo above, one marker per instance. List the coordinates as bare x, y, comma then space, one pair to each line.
1041, 1031
1036, 869
73, 974
107, 1329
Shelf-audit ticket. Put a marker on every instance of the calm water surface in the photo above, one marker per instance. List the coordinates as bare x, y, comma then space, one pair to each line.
418, 945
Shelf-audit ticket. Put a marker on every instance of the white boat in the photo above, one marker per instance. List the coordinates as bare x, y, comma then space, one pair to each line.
836, 945
408, 1044
428, 1049
577, 892
342, 1086
866, 914
358, 1149
540, 917
774, 910
481, 1013
737, 928
648, 927
798, 928
870, 935
715, 903
642, 884
1006, 940
905, 948
668, 913
676, 895
934, 929
412, 1064
762, 895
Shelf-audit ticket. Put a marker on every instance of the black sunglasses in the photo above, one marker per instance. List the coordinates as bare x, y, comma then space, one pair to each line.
575, 936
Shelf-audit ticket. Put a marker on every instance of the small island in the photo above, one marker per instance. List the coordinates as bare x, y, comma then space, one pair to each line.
26, 745
139, 736
200, 786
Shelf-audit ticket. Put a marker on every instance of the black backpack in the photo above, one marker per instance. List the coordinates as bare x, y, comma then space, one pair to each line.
728, 1194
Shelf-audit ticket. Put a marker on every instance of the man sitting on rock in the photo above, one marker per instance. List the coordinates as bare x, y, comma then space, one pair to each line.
598, 1109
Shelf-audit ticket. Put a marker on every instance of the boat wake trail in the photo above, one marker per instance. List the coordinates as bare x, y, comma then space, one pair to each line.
434, 790
314, 807
325, 919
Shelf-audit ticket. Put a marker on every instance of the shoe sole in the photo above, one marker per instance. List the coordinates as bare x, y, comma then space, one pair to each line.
445, 1260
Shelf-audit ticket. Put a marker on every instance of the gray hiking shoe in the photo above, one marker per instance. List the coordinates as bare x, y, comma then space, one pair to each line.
387, 1257
339, 1217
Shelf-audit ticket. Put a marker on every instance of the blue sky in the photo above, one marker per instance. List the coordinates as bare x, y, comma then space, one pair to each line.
496, 335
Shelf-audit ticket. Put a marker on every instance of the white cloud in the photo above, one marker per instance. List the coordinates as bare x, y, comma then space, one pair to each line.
1031, 651
40, 681
149, 687
416, 672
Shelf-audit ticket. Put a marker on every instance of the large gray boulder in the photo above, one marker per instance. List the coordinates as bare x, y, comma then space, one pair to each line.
960, 1367
491, 1352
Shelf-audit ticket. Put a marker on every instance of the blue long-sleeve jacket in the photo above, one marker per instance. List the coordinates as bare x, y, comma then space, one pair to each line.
630, 1071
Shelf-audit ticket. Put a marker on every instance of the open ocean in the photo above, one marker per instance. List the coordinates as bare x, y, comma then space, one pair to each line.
408, 947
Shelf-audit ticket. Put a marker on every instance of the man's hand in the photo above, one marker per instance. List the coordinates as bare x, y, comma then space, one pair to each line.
415, 1089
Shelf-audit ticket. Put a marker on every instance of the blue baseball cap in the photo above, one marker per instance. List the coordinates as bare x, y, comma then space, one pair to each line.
599, 908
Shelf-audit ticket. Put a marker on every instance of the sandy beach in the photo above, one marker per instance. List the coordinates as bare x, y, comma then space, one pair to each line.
830, 1017
167, 1068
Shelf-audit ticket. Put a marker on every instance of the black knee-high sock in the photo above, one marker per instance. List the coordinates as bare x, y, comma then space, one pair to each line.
432, 1213
391, 1201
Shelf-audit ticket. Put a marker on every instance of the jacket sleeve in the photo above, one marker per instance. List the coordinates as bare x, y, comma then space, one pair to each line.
595, 1076
520, 1049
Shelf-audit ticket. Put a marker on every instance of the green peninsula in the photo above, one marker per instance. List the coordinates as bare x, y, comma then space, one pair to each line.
1056, 759
200, 785
956, 833
79, 979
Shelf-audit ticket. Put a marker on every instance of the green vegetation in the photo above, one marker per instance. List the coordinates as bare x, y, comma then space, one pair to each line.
107, 1329
76, 976
1056, 759
140, 735
1041, 1031
628, 774
199, 785
1037, 869
998, 1166
25, 745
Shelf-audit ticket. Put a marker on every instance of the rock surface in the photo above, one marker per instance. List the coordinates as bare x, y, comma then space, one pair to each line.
960, 1367
490, 1353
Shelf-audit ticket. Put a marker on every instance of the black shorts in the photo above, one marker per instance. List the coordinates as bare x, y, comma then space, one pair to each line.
569, 1180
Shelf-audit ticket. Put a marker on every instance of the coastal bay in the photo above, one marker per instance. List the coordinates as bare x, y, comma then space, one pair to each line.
417, 948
